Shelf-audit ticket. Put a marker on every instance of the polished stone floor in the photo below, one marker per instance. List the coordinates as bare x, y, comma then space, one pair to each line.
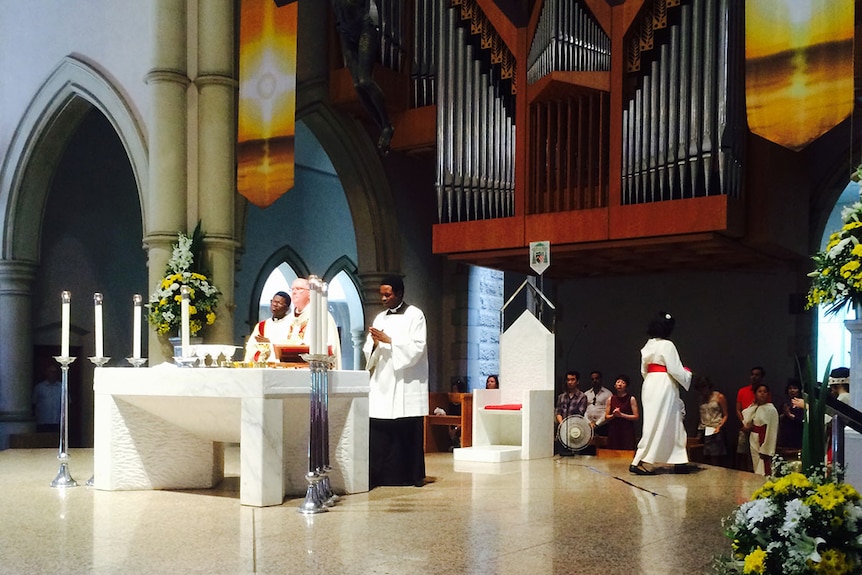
566, 515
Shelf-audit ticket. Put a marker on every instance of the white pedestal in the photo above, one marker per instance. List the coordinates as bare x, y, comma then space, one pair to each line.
164, 428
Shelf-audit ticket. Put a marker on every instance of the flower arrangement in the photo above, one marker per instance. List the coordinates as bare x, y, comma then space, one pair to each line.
797, 524
837, 277
165, 301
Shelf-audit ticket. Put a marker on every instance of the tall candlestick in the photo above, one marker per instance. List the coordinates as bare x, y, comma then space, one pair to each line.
100, 334
185, 292
137, 303
66, 298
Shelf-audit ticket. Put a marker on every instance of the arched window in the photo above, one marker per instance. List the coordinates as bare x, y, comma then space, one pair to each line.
833, 339
345, 305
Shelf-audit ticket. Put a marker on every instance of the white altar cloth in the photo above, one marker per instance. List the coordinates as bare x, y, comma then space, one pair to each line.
164, 428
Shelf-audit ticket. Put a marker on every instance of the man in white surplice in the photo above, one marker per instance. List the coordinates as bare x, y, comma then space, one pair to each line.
397, 357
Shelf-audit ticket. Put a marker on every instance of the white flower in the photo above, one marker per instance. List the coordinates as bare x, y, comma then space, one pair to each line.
757, 511
794, 512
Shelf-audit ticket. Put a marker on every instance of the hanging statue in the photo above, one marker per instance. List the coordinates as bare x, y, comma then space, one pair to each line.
358, 23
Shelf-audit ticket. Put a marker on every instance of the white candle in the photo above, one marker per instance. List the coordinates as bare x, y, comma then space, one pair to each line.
100, 333
184, 327
66, 298
324, 318
311, 336
137, 303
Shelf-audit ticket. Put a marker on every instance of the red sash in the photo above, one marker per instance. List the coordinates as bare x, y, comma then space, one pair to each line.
760, 430
655, 368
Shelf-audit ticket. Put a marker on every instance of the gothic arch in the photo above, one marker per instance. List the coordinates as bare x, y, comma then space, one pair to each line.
366, 187
73, 88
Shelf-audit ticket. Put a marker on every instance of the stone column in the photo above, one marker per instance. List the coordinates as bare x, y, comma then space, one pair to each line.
166, 199
16, 353
217, 96
852, 439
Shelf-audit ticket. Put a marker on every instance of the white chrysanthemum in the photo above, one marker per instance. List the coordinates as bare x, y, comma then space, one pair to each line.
758, 511
794, 512
853, 515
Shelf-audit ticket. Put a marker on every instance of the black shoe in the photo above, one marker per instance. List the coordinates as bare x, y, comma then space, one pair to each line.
640, 470
683, 468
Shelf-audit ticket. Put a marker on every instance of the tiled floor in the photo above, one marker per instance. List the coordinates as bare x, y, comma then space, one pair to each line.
572, 515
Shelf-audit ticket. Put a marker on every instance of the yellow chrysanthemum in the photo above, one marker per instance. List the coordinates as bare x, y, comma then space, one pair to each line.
755, 562
211, 318
832, 562
849, 226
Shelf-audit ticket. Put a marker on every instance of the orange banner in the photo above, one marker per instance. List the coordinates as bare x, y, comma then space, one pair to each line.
267, 101
798, 68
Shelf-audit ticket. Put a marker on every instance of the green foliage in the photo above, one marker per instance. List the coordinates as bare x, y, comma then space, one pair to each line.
813, 429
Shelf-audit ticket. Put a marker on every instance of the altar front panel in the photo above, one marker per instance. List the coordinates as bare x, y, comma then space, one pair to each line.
164, 428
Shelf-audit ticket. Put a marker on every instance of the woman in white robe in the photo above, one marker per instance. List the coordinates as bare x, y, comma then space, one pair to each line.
760, 419
664, 438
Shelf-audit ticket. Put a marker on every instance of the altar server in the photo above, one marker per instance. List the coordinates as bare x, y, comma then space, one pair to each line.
274, 329
397, 357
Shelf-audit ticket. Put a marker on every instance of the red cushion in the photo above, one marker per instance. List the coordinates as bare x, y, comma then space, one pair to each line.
506, 406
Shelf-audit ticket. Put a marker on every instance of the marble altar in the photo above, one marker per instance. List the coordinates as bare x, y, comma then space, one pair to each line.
165, 427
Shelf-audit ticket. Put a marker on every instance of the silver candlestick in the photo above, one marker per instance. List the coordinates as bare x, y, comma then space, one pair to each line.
64, 478
137, 361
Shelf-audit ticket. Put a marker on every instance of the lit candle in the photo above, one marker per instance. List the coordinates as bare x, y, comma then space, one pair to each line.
137, 302
100, 334
66, 298
184, 326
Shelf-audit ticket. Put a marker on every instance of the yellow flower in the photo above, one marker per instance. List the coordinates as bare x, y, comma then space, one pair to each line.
210, 318
755, 562
852, 226
192, 310
832, 562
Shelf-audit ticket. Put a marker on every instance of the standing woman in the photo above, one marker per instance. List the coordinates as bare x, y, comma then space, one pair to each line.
621, 414
713, 417
760, 419
664, 438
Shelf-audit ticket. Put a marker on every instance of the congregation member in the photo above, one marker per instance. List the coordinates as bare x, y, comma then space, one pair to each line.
664, 439
570, 402
396, 356
744, 398
598, 397
713, 418
492, 381
298, 332
47, 400
791, 418
274, 329
622, 413
760, 421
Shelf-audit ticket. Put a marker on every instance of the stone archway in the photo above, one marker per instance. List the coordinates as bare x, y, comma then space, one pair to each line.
73, 89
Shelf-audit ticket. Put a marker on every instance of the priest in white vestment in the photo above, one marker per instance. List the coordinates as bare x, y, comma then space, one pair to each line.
396, 355
299, 315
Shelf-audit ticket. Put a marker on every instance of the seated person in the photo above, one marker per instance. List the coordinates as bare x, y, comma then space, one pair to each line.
259, 348
492, 382
570, 402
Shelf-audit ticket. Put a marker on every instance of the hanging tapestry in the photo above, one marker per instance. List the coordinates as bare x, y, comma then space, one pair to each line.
798, 68
267, 100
